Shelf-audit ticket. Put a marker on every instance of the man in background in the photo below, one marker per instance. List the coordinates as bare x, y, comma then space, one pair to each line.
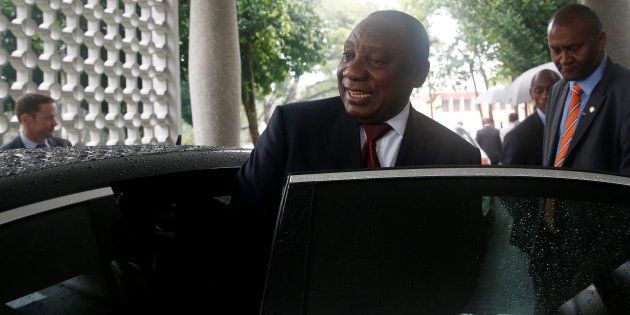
587, 128
489, 140
588, 119
37, 116
524, 144
512, 122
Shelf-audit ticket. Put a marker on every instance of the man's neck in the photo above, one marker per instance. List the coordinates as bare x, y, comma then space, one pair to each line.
33, 137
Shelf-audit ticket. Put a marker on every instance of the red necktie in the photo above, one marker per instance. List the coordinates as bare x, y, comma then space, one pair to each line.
563, 147
373, 132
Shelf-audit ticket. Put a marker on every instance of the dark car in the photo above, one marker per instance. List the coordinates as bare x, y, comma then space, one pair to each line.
452, 241
108, 230
113, 229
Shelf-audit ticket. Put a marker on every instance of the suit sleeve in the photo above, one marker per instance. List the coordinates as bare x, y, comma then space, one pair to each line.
254, 206
259, 181
65, 143
624, 134
510, 151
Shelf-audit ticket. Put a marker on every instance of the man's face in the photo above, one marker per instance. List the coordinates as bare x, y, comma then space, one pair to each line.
377, 71
540, 88
42, 124
576, 49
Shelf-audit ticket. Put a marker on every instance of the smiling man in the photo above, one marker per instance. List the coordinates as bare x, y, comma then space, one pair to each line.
588, 114
371, 123
37, 114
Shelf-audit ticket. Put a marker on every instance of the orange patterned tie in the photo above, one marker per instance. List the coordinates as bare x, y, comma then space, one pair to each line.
569, 125
561, 155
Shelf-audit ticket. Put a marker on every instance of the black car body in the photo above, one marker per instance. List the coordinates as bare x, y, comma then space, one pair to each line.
108, 230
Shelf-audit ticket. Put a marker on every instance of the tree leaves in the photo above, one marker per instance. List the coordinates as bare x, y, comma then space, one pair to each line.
278, 39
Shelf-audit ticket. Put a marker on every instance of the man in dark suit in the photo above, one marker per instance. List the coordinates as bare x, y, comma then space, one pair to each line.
523, 145
600, 138
384, 59
587, 128
37, 114
489, 139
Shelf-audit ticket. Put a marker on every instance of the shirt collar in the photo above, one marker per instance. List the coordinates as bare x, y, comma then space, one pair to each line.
28, 143
591, 81
541, 115
399, 122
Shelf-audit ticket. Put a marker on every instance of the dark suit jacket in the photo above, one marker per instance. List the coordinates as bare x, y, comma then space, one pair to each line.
489, 140
523, 145
17, 143
319, 135
602, 137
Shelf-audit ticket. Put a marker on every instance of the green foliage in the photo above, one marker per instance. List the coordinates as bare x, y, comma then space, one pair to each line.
420, 9
286, 38
184, 26
278, 40
514, 30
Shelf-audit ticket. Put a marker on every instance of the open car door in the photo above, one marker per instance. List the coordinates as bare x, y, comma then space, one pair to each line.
452, 241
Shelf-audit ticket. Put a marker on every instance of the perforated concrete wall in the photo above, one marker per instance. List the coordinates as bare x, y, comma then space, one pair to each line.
112, 66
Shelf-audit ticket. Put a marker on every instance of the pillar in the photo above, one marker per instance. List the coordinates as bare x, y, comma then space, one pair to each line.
614, 16
214, 69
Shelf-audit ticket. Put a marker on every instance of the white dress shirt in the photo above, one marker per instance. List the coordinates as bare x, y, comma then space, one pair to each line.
30, 144
541, 115
387, 147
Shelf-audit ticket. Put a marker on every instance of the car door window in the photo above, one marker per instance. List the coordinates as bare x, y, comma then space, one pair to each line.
441, 243
60, 260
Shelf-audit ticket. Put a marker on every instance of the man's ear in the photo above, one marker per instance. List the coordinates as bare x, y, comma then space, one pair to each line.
602, 41
421, 73
26, 118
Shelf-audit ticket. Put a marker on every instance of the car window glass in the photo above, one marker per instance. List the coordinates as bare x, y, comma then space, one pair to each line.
414, 247
65, 261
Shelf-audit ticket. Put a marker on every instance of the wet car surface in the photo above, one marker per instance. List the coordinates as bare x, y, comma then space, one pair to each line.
129, 229
58, 170
113, 229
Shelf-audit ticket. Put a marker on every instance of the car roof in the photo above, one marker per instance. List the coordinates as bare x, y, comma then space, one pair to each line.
28, 175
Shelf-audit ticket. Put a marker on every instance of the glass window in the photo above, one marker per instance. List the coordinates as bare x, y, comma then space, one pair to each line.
67, 269
445, 107
458, 246
467, 105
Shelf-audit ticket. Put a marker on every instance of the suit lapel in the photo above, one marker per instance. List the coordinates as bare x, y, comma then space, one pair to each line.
595, 102
17, 143
413, 143
555, 120
342, 138
594, 105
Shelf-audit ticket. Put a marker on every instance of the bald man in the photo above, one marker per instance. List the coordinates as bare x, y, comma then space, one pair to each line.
598, 134
524, 144
370, 124
383, 60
